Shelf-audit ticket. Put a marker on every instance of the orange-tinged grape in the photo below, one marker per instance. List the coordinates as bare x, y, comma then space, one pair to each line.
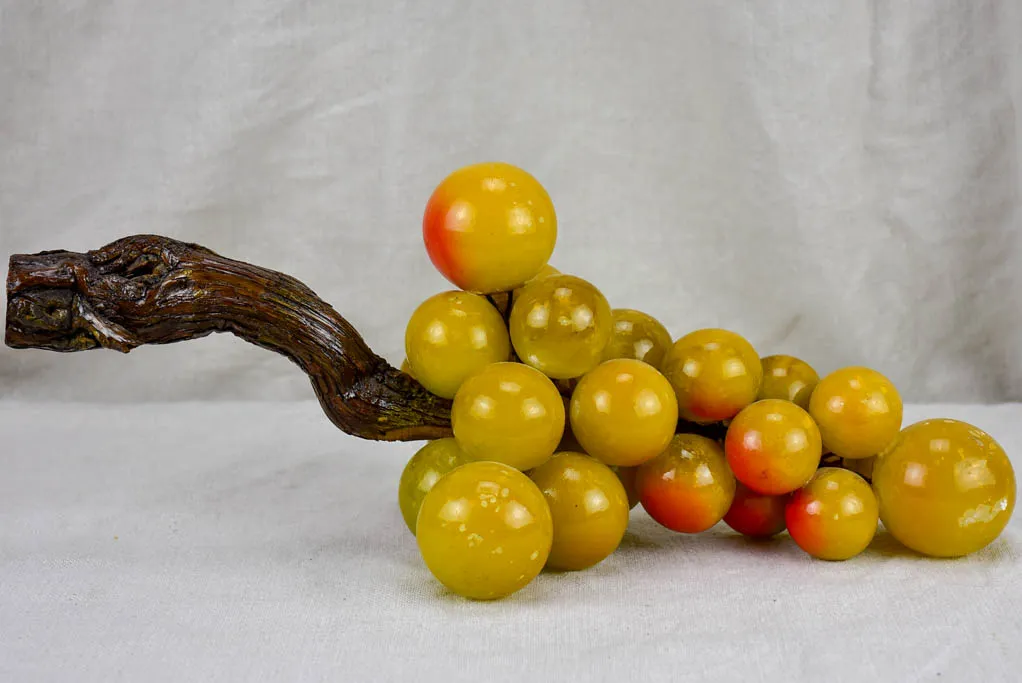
545, 271
489, 227
406, 367
688, 487
715, 374
560, 326
423, 471
452, 335
510, 413
788, 378
945, 488
624, 412
858, 411
773, 446
637, 335
834, 516
756, 515
627, 476
484, 530
589, 507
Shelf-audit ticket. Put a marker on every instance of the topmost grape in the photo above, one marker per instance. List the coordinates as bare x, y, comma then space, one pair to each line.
489, 227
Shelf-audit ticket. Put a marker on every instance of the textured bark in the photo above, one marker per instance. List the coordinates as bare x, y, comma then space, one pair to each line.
148, 289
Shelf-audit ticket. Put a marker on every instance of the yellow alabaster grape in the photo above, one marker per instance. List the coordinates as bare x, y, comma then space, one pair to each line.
450, 336
624, 412
423, 471
406, 367
946, 488
637, 335
589, 507
484, 530
858, 411
789, 379
510, 413
560, 326
715, 373
489, 227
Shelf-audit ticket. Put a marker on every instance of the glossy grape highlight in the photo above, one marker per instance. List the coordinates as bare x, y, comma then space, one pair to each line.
423, 471
945, 487
452, 335
715, 373
773, 446
484, 530
510, 413
489, 227
637, 335
560, 326
624, 412
858, 411
688, 487
589, 508
788, 378
834, 516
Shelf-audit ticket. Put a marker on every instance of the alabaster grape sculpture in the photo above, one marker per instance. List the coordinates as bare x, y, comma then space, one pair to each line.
548, 414
566, 411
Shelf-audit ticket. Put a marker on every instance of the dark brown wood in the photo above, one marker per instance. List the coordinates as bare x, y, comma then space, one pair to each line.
148, 289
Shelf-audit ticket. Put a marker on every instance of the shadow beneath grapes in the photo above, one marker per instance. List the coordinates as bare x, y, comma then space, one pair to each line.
779, 546
631, 540
424, 589
886, 545
646, 536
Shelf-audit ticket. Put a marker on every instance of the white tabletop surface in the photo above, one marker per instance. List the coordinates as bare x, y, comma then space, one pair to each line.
253, 541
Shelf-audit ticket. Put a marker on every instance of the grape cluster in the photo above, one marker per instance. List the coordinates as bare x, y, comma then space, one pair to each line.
566, 413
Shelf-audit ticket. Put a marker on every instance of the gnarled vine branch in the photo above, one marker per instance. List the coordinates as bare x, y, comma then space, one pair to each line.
148, 289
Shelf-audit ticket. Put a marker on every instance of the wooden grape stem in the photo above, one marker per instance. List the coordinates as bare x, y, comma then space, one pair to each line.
148, 289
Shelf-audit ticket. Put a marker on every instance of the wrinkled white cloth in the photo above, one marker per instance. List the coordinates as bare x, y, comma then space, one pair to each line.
837, 180
254, 542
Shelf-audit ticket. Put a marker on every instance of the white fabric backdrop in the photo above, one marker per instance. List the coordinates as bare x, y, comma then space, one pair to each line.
272, 549
834, 179
838, 180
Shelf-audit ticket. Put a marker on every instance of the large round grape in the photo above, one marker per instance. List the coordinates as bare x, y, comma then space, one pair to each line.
589, 507
945, 488
452, 335
560, 326
637, 335
624, 412
489, 227
858, 411
715, 374
834, 516
484, 530
423, 471
510, 413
